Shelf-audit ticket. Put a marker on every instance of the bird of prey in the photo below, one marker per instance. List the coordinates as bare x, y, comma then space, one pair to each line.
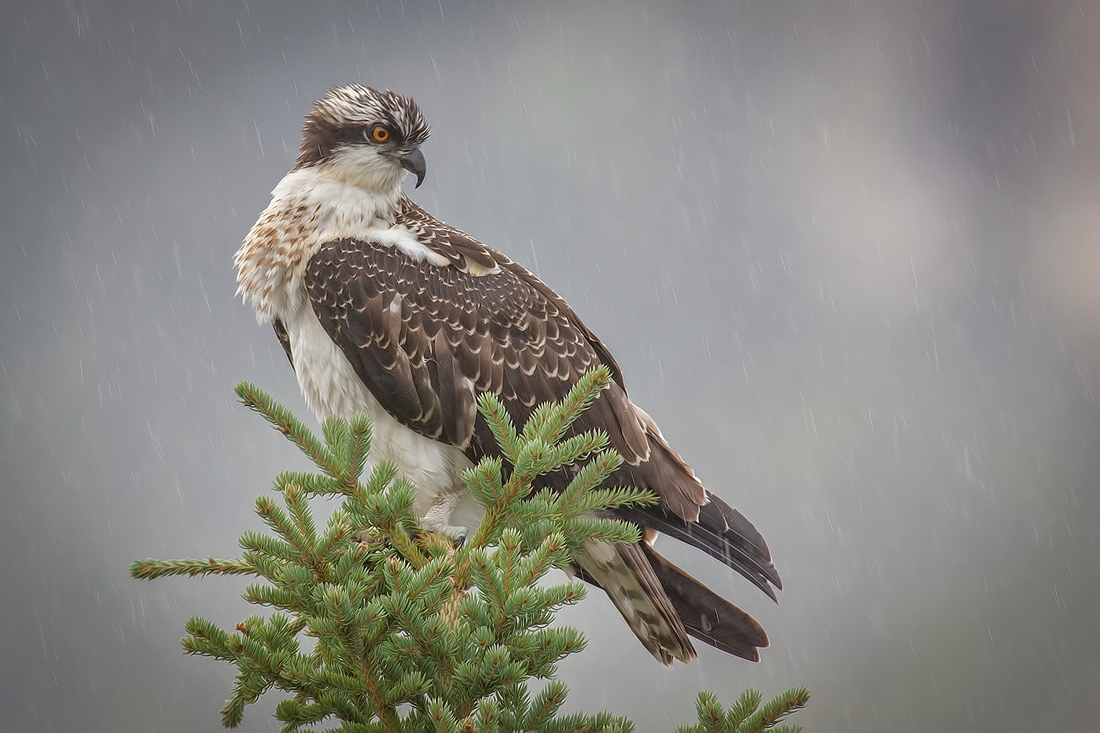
385, 310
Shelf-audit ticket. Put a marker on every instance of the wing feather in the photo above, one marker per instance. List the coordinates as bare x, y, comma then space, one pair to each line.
426, 339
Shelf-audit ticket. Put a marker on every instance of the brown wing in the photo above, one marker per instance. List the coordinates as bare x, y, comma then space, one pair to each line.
426, 340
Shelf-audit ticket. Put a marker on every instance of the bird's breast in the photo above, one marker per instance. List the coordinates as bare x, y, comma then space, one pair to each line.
332, 388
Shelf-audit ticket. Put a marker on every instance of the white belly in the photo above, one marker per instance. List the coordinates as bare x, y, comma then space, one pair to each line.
332, 388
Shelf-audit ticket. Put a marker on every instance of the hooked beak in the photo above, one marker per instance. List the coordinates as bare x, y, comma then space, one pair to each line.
413, 161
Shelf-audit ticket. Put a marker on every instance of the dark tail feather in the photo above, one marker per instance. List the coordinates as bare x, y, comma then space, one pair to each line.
707, 616
722, 532
717, 513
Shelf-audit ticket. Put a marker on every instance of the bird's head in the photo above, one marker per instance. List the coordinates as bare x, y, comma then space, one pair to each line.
365, 137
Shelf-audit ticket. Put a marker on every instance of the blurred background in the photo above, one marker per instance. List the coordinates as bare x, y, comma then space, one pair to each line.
847, 254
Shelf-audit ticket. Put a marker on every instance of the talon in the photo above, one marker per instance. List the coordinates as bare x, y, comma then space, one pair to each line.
456, 535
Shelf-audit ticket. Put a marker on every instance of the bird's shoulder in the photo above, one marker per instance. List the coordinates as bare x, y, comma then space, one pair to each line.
470, 255
462, 251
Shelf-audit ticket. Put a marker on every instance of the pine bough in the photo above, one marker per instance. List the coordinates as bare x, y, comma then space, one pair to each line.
406, 632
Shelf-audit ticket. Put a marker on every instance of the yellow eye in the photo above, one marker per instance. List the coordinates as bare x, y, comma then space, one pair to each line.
380, 134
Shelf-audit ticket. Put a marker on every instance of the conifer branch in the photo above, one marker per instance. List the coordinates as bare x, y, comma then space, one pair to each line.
150, 569
411, 633
286, 423
746, 715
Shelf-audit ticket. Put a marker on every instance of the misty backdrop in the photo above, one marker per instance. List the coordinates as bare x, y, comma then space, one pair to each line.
847, 254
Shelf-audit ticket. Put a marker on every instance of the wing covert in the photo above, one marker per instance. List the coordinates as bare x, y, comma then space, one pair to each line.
426, 340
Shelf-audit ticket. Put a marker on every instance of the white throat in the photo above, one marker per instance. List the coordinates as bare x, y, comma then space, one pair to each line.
364, 168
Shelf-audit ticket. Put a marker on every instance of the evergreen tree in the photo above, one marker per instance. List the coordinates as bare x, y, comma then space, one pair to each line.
408, 632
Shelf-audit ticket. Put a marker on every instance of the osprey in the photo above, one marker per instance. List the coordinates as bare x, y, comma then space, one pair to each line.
385, 310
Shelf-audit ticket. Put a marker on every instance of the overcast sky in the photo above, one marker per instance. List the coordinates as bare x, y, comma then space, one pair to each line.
847, 254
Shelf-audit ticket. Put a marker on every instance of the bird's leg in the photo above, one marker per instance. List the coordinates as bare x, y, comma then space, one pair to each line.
438, 517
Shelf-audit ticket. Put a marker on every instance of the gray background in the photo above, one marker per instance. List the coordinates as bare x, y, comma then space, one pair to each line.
847, 254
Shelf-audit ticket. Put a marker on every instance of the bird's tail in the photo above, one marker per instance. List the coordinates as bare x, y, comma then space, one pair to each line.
630, 580
662, 604
721, 532
703, 521
705, 614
